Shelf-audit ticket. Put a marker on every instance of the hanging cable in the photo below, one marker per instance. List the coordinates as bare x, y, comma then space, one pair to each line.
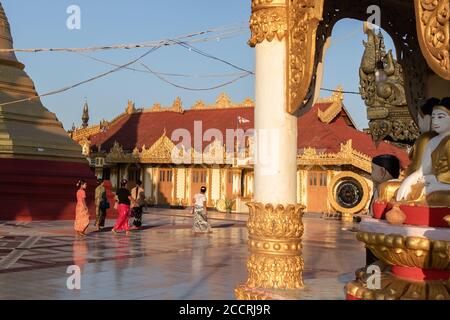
185, 45
84, 81
223, 75
349, 92
195, 89
224, 33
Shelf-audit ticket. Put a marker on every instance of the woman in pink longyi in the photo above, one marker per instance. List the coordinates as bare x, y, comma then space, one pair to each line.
81, 212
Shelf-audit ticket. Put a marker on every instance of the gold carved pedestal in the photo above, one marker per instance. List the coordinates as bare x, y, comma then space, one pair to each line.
405, 251
275, 243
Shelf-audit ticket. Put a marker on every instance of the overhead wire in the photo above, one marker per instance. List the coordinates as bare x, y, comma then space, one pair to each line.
82, 82
195, 89
222, 32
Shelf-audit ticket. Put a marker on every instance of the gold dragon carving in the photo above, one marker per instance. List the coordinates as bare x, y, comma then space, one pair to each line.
295, 21
433, 32
387, 109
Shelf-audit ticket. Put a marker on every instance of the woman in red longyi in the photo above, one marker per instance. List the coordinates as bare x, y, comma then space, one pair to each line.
123, 196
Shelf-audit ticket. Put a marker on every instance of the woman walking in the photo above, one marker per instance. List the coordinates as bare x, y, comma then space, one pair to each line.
201, 224
101, 203
81, 214
138, 203
123, 196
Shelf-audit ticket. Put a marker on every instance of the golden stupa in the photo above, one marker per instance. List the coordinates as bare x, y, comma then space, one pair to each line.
39, 163
27, 129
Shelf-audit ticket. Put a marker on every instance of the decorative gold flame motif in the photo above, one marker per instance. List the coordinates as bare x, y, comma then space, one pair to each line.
432, 23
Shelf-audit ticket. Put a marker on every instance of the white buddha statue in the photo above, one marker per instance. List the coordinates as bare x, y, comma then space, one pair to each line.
430, 183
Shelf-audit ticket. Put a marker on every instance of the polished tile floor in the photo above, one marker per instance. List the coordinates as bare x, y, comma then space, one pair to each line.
162, 261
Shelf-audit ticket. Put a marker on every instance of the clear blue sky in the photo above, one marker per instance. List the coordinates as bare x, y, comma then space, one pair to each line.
42, 23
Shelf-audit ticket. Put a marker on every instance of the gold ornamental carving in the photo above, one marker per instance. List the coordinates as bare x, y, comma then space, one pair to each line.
387, 110
296, 21
117, 154
160, 152
346, 156
330, 113
303, 18
394, 288
223, 101
268, 21
410, 251
275, 234
433, 32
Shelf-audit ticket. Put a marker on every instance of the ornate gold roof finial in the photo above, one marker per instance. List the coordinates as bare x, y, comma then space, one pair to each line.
248, 102
6, 42
223, 101
85, 117
130, 107
199, 104
177, 105
336, 99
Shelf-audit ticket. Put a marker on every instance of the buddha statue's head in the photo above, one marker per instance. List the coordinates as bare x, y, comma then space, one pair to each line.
424, 115
385, 167
440, 117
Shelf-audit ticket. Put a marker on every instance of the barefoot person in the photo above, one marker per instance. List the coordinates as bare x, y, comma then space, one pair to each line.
101, 205
138, 203
201, 224
124, 200
81, 213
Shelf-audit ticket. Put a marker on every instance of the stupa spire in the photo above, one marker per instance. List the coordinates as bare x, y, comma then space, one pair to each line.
6, 42
85, 117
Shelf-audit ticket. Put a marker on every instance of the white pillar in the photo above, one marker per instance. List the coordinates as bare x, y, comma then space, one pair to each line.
275, 172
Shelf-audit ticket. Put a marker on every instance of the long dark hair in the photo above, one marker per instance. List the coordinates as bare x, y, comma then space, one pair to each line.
427, 107
389, 162
80, 183
445, 102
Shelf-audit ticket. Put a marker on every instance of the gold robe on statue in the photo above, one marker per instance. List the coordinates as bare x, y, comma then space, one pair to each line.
440, 158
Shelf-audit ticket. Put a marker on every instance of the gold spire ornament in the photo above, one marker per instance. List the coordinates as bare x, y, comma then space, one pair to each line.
85, 117
27, 129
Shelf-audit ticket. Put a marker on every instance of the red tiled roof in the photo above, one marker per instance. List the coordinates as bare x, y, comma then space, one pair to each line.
327, 137
146, 128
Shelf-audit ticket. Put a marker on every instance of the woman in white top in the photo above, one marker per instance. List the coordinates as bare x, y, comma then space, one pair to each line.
201, 224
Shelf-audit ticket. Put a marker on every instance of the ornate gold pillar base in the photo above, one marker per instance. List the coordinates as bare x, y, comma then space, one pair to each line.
416, 269
395, 288
275, 260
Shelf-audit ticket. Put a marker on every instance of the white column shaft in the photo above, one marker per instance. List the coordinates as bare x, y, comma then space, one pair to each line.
276, 130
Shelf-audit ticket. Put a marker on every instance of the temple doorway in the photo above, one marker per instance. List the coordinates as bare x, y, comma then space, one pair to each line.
198, 179
134, 174
317, 191
165, 186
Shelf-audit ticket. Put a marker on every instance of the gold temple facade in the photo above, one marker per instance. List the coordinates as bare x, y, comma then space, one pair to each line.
327, 172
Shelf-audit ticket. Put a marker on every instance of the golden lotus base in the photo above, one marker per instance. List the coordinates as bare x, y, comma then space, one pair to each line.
275, 234
244, 292
394, 288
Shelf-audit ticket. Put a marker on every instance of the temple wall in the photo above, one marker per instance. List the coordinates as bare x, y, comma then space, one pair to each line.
148, 182
215, 185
